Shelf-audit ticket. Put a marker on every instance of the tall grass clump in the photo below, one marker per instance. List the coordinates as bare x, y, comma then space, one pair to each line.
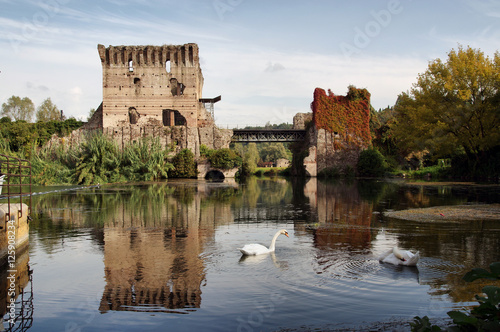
98, 161
145, 160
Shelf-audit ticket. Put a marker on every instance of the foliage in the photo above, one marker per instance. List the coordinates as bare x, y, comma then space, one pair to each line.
98, 161
453, 107
91, 114
484, 317
348, 116
47, 111
371, 163
23, 136
224, 159
49, 172
184, 165
18, 108
431, 172
204, 151
145, 160
268, 125
273, 152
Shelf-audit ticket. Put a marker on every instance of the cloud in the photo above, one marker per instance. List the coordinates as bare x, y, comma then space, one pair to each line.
273, 67
33, 86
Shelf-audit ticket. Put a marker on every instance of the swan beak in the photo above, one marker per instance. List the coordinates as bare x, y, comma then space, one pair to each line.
286, 233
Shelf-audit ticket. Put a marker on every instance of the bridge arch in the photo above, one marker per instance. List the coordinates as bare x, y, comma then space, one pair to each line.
215, 175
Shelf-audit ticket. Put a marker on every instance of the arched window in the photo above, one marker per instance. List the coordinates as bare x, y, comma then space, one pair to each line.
167, 66
130, 65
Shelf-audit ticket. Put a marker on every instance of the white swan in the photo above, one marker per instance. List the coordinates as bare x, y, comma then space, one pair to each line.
258, 249
400, 257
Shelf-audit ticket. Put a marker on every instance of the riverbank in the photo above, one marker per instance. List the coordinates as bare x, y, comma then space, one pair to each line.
449, 213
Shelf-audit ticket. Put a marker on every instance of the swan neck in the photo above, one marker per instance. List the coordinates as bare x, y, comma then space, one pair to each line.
273, 241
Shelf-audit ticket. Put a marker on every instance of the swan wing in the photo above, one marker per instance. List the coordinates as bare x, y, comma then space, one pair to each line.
254, 249
411, 258
384, 255
392, 259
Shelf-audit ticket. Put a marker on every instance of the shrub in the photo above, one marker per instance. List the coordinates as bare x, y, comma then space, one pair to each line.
224, 159
184, 165
371, 163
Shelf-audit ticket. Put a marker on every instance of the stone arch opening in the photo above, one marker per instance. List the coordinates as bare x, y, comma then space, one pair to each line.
215, 175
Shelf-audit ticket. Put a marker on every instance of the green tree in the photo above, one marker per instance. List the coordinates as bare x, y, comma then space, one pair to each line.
273, 151
251, 157
18, 108
47, 111
224, 159
453, 107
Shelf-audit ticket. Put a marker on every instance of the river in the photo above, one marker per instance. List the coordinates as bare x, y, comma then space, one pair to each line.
164, 256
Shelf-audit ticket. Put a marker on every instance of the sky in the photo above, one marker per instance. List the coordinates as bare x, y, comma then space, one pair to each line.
264, 57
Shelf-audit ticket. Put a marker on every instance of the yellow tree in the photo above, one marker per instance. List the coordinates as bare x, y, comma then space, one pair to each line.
453, 107
47, 111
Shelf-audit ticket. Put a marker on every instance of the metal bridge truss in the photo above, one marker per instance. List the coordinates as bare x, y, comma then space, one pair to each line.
269, 135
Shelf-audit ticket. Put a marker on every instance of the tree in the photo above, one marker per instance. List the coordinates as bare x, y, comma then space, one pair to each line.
453, 107
18, 109
251, 157
47, 111
91, 114
273, 152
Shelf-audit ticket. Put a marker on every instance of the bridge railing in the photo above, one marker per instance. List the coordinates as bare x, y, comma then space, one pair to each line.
268, 135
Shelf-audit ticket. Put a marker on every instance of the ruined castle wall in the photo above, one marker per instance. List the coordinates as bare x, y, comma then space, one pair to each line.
141, 83
340, 130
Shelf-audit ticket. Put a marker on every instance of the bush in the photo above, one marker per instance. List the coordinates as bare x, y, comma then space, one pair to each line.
371, 163
224, 159
184, 165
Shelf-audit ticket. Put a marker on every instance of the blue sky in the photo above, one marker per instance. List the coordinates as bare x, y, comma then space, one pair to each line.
264, 57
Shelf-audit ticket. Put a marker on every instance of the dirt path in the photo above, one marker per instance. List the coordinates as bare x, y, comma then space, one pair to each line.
449, 213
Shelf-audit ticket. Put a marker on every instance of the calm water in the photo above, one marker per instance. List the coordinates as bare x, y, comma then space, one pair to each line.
163, 256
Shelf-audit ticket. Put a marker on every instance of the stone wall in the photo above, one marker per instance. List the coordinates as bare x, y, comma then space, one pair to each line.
339, 131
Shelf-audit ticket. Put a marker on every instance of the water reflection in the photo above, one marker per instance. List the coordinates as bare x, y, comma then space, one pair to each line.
16, 294
162, 243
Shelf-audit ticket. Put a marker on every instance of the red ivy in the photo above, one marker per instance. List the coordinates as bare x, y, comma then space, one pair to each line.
348, 116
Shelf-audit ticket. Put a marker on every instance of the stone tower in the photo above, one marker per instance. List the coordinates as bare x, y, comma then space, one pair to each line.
156, 91
151, 83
